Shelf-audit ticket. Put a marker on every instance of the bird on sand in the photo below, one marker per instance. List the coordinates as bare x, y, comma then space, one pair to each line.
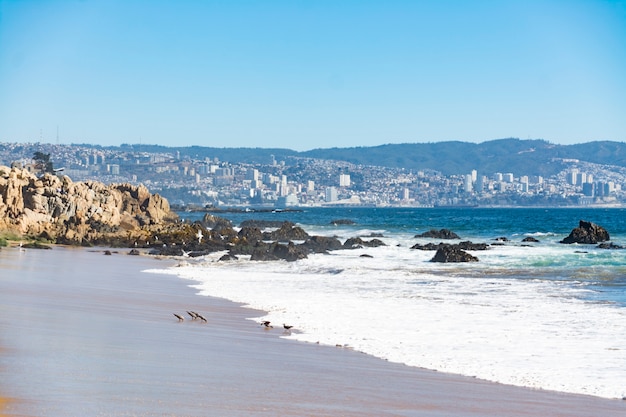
267, 324
200, 317
180, 318
193, 315
286, 326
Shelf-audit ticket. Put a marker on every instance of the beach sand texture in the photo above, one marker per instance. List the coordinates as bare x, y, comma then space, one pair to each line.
85, 334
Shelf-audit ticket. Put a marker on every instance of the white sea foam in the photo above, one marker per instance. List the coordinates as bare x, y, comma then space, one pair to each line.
471, 319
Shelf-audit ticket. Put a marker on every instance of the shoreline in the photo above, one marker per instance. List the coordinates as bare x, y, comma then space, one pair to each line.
247, 369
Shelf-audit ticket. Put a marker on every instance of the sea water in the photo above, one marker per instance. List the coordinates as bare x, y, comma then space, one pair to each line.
544, 315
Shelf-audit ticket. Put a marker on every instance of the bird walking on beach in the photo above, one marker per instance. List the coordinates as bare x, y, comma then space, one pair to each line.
201, 317
286, 326
267, 324
180, 318
193, 315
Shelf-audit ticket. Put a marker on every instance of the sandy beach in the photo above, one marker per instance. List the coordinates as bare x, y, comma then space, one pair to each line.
86, 334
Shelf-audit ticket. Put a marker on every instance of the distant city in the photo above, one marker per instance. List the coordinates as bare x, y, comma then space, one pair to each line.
295, 181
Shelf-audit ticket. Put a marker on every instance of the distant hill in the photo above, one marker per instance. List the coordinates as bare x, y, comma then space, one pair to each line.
533, 157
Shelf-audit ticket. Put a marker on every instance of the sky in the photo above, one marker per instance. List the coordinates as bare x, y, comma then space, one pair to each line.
306, 74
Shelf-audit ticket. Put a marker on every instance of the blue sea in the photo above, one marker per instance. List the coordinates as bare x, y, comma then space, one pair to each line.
544, 315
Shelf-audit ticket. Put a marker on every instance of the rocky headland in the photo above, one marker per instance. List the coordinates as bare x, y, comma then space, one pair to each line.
58, 210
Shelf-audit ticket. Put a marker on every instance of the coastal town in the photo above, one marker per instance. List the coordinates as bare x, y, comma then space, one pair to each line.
296, 181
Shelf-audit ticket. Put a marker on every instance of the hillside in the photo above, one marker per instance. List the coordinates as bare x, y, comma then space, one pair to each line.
535, 157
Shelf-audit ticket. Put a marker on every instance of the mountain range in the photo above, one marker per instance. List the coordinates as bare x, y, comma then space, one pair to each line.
532, 156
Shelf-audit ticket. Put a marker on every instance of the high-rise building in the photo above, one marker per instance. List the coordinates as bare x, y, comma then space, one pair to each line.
330, 194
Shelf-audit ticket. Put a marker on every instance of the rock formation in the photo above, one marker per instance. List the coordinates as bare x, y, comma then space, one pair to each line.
588, 233
63, 211
450, 253
439, 234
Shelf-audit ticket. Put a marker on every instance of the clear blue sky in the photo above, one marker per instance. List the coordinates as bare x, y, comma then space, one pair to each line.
311, 74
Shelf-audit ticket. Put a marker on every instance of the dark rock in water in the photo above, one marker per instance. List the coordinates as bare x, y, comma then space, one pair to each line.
342, 221
374, 234
357, 242
587, 233
228, 257
211, 222
365, 255
251, 234
134, 252
439, 234
107, 252
610, 245
428, 246
465, 245
450, 253
321, 244
288, 231
502, 239
353, 243
36, 245
530, 239
276, 251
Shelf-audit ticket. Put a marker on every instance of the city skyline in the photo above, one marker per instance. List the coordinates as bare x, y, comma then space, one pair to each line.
306, 75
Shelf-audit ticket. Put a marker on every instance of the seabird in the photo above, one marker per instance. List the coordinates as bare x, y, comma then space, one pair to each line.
200, 317
180, 318
286, 326
192, 314
267, 324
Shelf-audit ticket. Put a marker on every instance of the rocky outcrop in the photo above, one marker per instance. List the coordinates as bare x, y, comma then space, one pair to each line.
287, 231
466, 245
587, 233
78, 212
357, 242
322, 244
449, 253
439, 234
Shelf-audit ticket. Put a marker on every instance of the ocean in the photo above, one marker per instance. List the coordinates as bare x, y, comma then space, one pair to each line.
544, 315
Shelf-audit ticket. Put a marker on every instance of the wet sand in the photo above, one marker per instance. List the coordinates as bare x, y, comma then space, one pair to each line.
85, 334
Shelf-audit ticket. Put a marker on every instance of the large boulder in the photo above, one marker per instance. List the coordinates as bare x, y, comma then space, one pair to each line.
439, 234
321, 244
288, 231
587, 233
449, 253
276, 251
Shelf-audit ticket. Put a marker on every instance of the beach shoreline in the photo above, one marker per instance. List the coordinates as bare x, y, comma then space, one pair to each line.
101, 339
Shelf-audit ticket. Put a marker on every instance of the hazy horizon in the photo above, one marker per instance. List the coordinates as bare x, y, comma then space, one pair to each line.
303, 75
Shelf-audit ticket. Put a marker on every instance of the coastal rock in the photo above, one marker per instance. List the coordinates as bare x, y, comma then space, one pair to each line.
449, 253
439, 234
465, 245
321, 244
587, 233
357, 242
276, 251
287, 231
530, 239
62, 211
609, 245
210, 221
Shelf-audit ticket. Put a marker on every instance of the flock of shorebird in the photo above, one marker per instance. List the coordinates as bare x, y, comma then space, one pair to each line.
197, 316
193, 314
